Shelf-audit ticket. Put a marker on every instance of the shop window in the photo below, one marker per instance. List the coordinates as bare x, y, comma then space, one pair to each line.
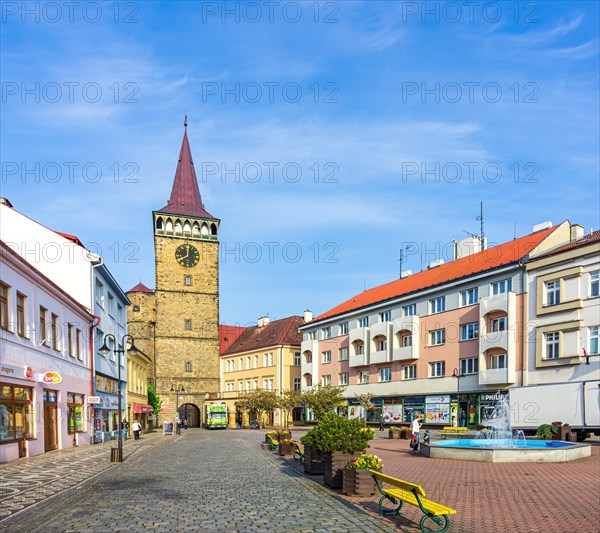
16, 410
75, 412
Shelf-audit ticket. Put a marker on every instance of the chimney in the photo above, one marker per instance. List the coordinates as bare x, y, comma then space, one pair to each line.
308, 316
261, 322
6, 202
465, 247
266, 320
542, 226
435, 263
576, 232
405, 273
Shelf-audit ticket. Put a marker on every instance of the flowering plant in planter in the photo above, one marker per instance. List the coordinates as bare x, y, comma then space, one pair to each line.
365, 461
394, 428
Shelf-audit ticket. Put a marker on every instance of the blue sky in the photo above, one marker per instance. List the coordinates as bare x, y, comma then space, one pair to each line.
400, 116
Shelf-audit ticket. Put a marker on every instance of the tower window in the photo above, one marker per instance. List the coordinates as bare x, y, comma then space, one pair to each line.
136, 308
188, 325
187, 280
188, 367
159, 223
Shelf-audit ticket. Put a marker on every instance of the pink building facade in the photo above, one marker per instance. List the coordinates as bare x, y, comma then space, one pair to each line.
445, 343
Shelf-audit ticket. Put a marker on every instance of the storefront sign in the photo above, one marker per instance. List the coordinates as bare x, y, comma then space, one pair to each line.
94, 399
17, 372
168, 428
496, 397
51, 377
437, 399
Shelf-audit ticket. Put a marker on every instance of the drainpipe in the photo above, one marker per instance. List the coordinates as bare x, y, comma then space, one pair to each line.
95, 262
523, 326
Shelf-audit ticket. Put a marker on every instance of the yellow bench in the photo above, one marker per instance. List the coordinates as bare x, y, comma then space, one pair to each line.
272, 442
413, 494
298, 452
451, 430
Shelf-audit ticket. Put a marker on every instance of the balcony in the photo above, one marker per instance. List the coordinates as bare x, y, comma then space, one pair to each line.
406, 323
380, 356
357, 360
494, 339
496, 376
506, 302
406, 353
381, 328
359, 334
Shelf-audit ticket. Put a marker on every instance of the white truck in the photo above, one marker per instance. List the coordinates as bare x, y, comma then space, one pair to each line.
573, 403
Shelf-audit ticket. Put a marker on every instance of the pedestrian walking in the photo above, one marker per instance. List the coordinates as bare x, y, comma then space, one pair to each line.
185, 423
416, 427
381, 422
137, 427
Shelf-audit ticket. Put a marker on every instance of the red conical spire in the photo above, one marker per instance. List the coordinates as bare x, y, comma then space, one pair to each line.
185, 194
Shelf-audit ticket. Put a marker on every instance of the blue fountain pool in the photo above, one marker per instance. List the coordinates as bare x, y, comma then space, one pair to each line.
500, 443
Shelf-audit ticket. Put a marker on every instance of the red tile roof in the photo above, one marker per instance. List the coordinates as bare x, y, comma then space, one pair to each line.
228, 335
140, 287
489, 259
586, 240
72, 238
185, 194
279, 332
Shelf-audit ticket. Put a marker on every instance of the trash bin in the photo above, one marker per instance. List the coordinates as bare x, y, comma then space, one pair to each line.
116, 455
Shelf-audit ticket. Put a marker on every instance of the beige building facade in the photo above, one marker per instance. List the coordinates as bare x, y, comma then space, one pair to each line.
267, 357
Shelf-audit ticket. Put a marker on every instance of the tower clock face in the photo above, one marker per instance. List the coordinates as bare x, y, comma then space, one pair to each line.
187, 255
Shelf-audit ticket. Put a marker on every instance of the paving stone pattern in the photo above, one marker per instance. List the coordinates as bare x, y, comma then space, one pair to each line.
222, 481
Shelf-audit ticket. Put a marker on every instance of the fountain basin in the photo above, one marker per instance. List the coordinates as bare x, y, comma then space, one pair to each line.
490, 451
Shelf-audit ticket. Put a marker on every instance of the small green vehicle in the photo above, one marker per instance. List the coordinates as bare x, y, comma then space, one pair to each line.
216, 416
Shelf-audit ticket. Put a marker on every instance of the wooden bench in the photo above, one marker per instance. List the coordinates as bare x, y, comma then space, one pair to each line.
298, 452
272, 442
413, 494
451, 430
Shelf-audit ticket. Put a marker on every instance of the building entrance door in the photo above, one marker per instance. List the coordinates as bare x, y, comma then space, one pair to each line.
192, 413
50, 427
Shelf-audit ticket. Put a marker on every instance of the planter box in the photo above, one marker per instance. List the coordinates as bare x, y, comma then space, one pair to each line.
285, 448
394, 434
313, 460
334, 464
358, 483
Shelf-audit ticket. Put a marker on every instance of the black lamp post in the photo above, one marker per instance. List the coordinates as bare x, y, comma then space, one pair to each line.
458, 375
177, 390
105, 350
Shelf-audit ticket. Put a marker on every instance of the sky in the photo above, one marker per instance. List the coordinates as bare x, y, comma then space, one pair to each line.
326, 136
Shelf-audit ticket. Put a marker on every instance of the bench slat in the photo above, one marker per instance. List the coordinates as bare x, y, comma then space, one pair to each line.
404, 485
430, 506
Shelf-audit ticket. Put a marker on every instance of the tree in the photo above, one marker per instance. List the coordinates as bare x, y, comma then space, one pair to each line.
366, 402
322, 399
154, 400
288, 402
258, 401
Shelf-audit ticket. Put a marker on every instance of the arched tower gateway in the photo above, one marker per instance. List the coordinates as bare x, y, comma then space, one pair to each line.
186, 250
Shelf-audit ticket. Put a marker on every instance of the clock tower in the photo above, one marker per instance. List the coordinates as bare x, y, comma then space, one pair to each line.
186, 327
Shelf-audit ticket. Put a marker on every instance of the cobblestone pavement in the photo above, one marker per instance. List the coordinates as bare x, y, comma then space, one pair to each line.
29, 481
222, 481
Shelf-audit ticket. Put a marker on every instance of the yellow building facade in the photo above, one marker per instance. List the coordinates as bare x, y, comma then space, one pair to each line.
267, 357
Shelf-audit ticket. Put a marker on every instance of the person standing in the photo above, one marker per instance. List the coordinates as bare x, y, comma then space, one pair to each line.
137, 427
381, 422
185, 423
416, 427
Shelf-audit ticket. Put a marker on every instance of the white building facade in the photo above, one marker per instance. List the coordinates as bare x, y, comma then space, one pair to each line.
45, 364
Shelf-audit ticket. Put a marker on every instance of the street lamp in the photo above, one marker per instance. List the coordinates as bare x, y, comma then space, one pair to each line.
456, 374
105, 350
177, 390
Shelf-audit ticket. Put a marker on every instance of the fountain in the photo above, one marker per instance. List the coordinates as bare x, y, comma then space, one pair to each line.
499, 444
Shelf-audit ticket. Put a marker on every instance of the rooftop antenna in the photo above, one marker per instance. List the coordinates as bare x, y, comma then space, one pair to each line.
401, 261
481, 234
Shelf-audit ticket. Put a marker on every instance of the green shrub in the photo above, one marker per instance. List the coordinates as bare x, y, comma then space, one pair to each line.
335, 433
546, 431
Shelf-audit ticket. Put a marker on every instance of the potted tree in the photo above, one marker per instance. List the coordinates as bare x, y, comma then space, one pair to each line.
338, 439
357, 480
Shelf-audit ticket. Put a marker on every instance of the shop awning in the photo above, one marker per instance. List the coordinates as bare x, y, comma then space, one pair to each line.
142, 408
